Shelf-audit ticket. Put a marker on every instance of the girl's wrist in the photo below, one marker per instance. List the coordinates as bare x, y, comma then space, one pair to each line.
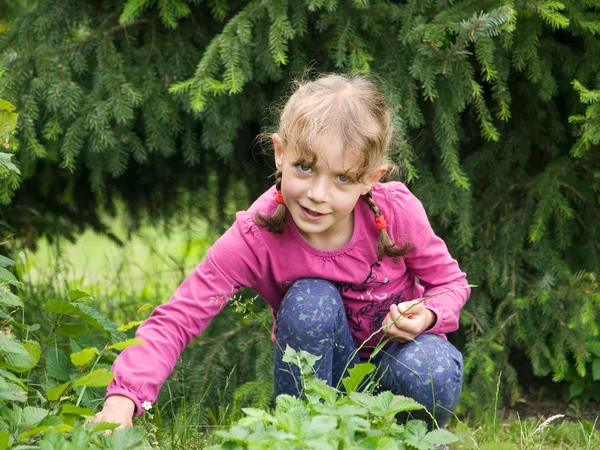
432, 321
120, 402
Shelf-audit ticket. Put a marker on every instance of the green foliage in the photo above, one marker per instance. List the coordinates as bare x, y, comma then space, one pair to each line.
9, 172
158, 103
327, 419
589, 123
40, 390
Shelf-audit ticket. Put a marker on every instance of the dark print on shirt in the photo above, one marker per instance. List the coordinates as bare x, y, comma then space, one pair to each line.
373, 313
377, 305
368, 284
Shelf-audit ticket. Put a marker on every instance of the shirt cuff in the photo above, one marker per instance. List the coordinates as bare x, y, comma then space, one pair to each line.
438, 326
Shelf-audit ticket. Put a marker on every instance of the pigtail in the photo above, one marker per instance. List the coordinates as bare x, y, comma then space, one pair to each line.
276, 222
385, 244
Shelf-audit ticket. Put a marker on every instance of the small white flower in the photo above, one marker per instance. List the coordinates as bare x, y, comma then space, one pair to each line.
147, 405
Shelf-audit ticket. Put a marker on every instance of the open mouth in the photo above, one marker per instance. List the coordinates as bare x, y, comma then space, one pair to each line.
312, 213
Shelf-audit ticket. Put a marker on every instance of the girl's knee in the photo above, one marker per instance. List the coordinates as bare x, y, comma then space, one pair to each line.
308, 303
428, 363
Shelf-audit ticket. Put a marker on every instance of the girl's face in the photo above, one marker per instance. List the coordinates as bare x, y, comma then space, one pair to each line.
321, 196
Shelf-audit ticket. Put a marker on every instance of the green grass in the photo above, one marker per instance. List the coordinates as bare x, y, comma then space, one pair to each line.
95, 262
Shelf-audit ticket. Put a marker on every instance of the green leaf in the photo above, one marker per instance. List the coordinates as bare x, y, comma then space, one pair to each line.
414, 433
97, 378
322, 389
84, 356
387, 404
286, 402
12, 392
259, 414
363, 399
4, 439
356, 375
62, 428
77, 294
124, 344
58, 364
34, 431
5, 262
303, 360
8, 277
440, 437
6, 106
123, 438
340, 410
12, 378
69, 408
103, 426
32, 415
55, 393
34, 351
15, 354
87, 313
9, 299
72, 330
129, 325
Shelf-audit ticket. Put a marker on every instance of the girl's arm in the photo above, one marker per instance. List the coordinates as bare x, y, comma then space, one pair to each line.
235, 260
429, 260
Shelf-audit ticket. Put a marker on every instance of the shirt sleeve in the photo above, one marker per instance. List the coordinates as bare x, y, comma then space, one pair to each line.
429, 260
233, 261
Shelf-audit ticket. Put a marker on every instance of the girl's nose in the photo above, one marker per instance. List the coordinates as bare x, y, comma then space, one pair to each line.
317, 191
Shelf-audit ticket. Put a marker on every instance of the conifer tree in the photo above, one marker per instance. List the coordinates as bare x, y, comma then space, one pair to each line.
158, 102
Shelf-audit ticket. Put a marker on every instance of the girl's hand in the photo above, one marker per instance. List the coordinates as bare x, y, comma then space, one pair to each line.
404, 327
118, 409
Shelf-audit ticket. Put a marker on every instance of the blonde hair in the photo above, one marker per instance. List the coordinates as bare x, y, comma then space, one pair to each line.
351, 107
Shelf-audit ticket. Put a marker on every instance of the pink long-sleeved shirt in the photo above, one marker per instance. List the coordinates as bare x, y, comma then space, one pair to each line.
250, 256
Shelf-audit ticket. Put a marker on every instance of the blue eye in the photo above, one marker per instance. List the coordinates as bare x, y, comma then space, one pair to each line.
303, 167
343, 179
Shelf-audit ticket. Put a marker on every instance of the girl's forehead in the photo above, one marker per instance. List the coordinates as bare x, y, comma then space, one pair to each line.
332, 156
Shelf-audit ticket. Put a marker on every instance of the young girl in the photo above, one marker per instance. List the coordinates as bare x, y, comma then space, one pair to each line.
335, 253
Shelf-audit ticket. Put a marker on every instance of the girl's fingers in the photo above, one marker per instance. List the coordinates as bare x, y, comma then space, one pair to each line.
391, 324
408, 323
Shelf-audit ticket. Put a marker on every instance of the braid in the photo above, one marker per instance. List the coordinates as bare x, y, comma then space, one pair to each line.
385, 245
276, 222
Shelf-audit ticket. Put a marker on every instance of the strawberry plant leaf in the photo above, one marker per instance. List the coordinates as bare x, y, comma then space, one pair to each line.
322, 389
387, 404
69, 408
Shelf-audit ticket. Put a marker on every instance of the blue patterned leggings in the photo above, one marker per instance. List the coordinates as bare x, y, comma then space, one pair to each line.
311, 317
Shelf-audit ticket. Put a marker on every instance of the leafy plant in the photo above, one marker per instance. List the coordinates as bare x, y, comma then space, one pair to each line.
49, 379
326, 418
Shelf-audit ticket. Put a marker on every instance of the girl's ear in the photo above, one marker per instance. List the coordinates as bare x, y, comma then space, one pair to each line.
278, 146
374, 178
